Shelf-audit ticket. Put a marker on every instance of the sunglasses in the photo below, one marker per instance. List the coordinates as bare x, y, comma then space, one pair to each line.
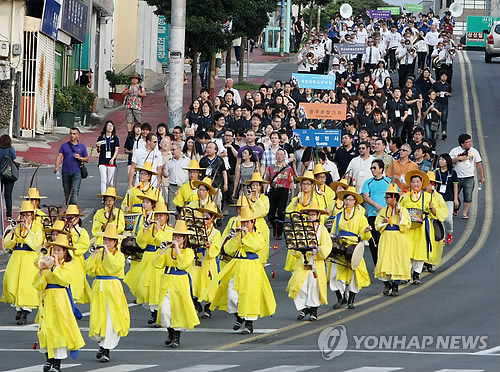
373, 168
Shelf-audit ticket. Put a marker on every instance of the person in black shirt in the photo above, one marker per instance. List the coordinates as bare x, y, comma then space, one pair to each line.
431, 112
345, 153
443, 91
132, 142
231, 151
411, 119
107, 146
216, 170
397, 110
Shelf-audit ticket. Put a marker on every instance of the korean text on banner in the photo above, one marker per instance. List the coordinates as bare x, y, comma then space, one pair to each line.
313, 81
379, 14
319, 137
324, 111
348, 48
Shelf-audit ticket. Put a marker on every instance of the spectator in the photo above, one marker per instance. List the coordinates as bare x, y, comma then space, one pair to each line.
216, 170
246, 165
134, 93
149, 153
229, 87
359, 167
177, 175
6, 149
107, 146
400, 167
132, 143
448, 188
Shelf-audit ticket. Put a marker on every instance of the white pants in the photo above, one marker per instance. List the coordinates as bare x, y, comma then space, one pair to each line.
106, 176
416, 266
59, 353
232, 300
308, 295
110, 341
166, 312
448, 223
21, 308
339, 285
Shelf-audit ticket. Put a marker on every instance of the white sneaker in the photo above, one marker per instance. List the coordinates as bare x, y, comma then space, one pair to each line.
94, 115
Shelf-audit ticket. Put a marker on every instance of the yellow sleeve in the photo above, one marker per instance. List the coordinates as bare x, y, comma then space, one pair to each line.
215, 245
292, 207
441, 207
121, 221
405, 224
179, 199
143, 237
159, 259
81, 242
34, 239
90, 265
230, 224
253, 242
60, 275
325, 242
362, 225
162, 236
97, 222
113, 263
10, 240
262, 206
378, 220
185, 259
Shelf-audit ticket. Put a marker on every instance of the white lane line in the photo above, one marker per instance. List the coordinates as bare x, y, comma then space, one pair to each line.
38, 368
460, 370
125, 368
375, 369
488, 351
34, 327
287, 369
206, 368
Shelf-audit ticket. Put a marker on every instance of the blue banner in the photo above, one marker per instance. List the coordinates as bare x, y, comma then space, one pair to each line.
319, 137
315, 81
50, 18
74, 19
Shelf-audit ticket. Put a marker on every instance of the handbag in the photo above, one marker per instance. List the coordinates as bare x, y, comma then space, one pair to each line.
434, 126
9, 169
83, 168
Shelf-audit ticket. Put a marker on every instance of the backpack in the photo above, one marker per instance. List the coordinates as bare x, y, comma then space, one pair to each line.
9, 169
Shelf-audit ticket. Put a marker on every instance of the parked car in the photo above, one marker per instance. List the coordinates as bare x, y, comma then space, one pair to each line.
492, 47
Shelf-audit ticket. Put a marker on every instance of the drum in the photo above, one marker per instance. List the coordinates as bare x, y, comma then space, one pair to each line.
416, 216
130, 221
353, 253
129, 247
438, 230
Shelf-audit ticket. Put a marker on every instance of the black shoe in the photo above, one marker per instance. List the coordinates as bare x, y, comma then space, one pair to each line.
237, 324
387, 288
23, 319
152, 318
444, 136
170, 337
18, 315
99, 353
55, 366
207, 313
197, 305
48, 364
303, 313
105, 356
395, 290
248, 327
176, 339
416, 278
430, 268
314, 314
340, 300
350, 301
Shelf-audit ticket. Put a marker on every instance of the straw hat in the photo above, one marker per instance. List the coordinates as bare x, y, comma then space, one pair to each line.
242, 202
62, 240
57, 226
194, 165
26, 206
245, 215
350, 191
432, 176
423, 176
210, 208
309, 175
151, 194
148, 167
181, 228
313, 207
161, 207
72, 210
318, 169
256, 177
33, 193
135, 75
111, 232
343, 183
392, 189
110, 191
207, 181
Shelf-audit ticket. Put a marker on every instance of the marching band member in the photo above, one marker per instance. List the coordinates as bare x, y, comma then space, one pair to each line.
188, 192
307, 286
393, 222
421, 207
58, 331
109, 314
259, 203
81, 242
206, 265
176, 311
337, 186
349, 226
325, 194
205, 193
132, 203
34, 197
24, 242
243, 288
108, 214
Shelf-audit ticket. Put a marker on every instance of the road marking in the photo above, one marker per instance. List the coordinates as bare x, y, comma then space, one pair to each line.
125, 368
460, 370
488, 351
206, 368
374, 369
285, 368
34, 328
37, 368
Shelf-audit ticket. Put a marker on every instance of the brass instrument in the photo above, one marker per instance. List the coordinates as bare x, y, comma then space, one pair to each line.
436, 63
93, 247
452, 51
165, 245
197, 224
412, 50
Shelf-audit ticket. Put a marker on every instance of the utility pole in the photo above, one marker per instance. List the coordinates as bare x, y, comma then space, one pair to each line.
282, 27
176, 64
318, 21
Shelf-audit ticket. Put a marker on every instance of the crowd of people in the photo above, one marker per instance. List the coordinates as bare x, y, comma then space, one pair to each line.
385, 187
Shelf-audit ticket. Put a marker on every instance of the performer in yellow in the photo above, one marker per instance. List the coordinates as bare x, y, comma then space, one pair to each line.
205, 193
421, 208
393, 222
325, 194
260, 205
189, 192
108, 214
109, 314
58, 331
132, 203
349, 227
177, 310
243, 288
307, 286
81, 242
206, 264
441, 208
35, 198
24, 243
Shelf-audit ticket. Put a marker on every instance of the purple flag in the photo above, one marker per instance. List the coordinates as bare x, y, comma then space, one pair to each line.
380, 14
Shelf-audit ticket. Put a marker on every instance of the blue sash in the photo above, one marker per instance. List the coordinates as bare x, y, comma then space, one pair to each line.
137, 224
78, 315
392, 228
344, 234
137, 205
172, 270
23, 247
250, 256
151, 248
106, 277
428, 241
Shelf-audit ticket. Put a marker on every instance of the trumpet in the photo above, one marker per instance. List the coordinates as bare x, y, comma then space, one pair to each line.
233, 232
452, 51
93, 248
147, 224
165, 245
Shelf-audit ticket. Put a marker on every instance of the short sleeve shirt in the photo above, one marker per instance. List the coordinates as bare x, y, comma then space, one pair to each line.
107, 149
465, 168
257, 150
376, 189
70, 164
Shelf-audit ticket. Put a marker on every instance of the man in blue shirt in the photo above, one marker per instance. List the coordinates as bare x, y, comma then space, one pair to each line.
71, 154
373, 192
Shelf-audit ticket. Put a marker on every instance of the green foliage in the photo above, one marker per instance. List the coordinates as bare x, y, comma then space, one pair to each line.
62, 100
359, 7
116, 79
246, 86
73, 98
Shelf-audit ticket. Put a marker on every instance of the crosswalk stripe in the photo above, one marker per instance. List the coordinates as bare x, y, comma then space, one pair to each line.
287, 369
124, 368
37, 368
374, 369
460, 370
206, 368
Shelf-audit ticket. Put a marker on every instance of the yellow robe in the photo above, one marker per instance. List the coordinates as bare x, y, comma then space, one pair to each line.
100, 220
79, 285
17, 287
133, 202
261, 210
57, 324
175, 282
256, 297
207, 258
186, 195
107, 292
356, 224
300, 273
417, 236
144, 279
326, 199
393, 247
442, 214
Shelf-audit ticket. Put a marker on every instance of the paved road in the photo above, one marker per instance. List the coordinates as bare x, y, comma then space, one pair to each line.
460, 299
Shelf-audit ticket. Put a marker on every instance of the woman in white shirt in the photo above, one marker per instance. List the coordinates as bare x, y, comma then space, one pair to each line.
379, 74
